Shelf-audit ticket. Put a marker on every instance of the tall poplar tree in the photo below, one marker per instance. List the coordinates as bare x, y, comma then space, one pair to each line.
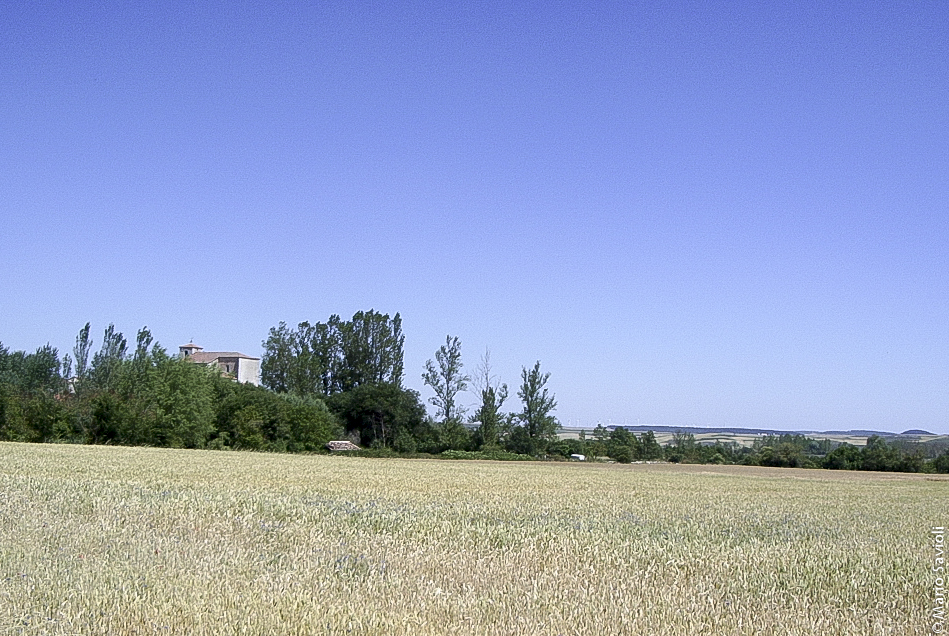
81, 352
109, 357
446, 379
540, 425
336, 356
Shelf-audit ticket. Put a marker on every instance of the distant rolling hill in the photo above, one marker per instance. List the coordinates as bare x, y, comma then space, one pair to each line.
699, 430
745, 436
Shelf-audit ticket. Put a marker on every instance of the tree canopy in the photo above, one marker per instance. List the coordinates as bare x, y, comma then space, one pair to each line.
447, 380
341, 378
335, 356
538, 425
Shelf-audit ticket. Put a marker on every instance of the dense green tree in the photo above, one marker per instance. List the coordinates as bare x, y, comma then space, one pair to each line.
519, 441
37, 372
651, 449
492, 423
783, 455
452, 435
536, 418
161, 400
372, 350
143, 344
683, 448
81, 352
357, 367
278, 359
318, 350
941, 463
301, 361
844, 457
878, 455
111, 420
309, 424
567, 447
601, 433
182, 401
305, 361
37, 417
108, 358
378, 414
29, 373
326, 358
251, 417
595, 449
31, 393
623, 446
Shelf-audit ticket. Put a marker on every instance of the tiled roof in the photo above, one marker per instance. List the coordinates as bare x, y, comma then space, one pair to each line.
211, 356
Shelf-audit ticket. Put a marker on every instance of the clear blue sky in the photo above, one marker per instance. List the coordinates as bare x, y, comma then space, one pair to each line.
692, 213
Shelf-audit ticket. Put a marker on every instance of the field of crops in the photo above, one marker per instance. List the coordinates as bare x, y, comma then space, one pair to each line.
105, 540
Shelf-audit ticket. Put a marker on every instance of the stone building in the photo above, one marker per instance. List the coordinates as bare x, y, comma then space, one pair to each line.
242, 368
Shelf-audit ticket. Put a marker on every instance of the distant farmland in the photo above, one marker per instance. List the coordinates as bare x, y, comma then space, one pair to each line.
746, 438
115, 540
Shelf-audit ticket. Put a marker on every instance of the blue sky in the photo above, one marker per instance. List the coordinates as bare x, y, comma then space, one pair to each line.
692, 213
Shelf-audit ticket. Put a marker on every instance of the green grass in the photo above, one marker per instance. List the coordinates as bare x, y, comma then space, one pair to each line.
98, 540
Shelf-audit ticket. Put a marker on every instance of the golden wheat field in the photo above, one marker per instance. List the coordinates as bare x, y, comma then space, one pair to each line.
107, 540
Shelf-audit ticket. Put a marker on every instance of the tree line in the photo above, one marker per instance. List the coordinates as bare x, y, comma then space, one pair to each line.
141, 395
320, 381
344, 379
781, 451
356, 368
